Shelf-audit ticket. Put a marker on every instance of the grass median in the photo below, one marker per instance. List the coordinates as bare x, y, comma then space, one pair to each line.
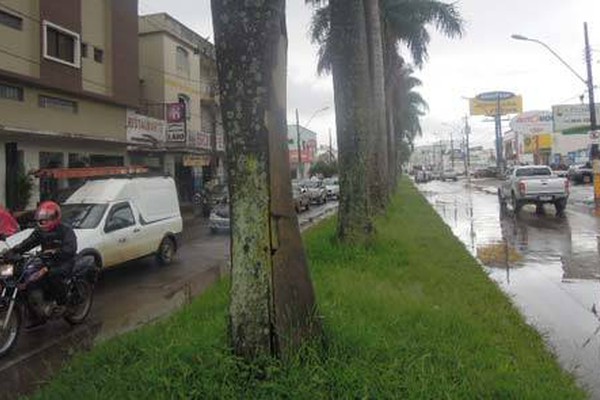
412, 316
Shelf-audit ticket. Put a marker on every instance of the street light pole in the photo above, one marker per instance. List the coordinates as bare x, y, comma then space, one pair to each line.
299, 146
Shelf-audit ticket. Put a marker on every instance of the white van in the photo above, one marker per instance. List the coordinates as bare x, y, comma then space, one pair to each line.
122, 219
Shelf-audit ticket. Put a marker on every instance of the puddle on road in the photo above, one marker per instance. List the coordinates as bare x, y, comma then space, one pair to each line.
548, 265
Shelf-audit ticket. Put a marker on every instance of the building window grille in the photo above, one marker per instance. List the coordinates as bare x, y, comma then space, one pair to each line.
61, 45
58, 104
11, 92
98, 55
12, 21
182, 61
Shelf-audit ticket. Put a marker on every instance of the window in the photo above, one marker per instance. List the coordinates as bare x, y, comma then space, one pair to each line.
182, 61
61, 45
182, 98
12, 21
84, 50
120, 217
98, 55
11, 92
58, 104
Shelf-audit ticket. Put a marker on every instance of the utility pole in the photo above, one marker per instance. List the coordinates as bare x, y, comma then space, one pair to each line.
451, 150
593, 123
299, 169
468, 150
499, 158
330, 147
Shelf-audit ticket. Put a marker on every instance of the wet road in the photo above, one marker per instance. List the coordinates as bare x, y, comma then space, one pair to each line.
548, 265
139, 292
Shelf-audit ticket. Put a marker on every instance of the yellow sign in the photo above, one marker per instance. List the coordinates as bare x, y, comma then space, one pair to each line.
193, 160
534, 143
513, 105
544, 141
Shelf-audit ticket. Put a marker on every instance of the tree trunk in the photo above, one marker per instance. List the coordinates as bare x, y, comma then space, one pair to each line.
350, 69
378, 177
272, 298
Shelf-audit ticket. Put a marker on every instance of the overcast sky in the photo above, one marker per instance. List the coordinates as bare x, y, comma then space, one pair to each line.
485, 59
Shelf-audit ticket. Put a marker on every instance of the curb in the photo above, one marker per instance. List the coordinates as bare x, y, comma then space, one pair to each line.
31, 370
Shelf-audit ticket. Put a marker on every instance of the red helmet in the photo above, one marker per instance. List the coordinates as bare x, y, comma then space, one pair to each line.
48, 216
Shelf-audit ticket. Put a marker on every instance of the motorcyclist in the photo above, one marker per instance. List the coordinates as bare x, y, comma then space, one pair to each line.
59, 247
8, 224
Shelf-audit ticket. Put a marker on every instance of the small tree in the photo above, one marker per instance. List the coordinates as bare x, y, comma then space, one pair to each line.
327, 169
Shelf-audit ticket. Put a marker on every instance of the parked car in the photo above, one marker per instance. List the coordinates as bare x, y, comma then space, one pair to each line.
422, 176
333, 188
219, 220
487, 172
534, 184
581, 173
316, 190
301, 198
449, 175
122, 219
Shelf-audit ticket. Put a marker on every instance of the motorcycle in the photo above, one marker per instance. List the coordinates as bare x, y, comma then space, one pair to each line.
17, 303
202, 203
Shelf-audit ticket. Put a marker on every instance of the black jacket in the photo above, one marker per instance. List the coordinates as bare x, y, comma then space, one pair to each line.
62, 240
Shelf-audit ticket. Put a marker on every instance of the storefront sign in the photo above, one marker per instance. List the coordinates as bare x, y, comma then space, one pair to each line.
220, 142
176, 127
535, 143
193, 160
199, 140
568, 116
144, 130
491, 103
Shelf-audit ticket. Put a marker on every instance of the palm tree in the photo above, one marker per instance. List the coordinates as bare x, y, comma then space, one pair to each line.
378, 162
272, 298
411, 107
347, 37
403, 22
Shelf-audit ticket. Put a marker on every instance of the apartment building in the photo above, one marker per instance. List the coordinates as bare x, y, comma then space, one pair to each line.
68, 75
178, 72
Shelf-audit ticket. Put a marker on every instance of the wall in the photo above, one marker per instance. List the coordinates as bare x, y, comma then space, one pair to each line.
92, 119
96, 32
23, 45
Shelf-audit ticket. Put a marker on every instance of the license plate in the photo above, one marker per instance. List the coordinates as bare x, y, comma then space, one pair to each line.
545, 198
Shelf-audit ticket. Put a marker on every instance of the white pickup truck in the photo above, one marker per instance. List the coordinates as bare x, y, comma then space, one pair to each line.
533, 184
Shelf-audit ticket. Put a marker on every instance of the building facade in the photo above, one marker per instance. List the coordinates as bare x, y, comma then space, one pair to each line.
308, 150
178, 77
68, 74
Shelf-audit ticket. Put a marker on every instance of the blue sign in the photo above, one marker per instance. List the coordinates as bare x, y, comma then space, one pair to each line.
495, 96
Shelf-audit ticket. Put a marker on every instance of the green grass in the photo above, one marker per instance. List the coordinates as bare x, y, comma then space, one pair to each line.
413, 317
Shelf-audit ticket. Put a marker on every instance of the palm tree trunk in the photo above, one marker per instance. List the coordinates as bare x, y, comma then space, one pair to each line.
350, 68
379, 151
272, 297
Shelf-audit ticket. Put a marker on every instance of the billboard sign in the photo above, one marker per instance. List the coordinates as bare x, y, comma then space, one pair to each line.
176, 127
532, 122
569, 116
490, 103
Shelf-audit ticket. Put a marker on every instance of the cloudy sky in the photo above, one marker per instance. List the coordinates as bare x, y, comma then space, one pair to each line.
485, 59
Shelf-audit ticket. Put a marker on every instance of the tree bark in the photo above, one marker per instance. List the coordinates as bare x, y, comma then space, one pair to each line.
350, 69
272, 298
378, 165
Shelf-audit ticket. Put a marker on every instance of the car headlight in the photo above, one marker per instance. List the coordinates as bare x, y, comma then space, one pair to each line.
6, 270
